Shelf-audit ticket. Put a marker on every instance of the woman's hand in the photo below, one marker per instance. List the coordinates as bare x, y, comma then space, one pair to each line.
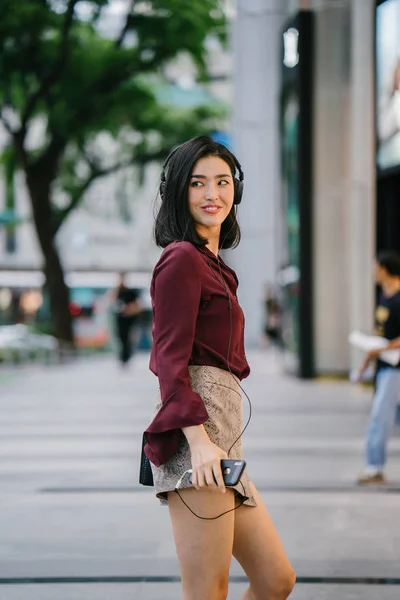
206, 459
206, 466
369, 358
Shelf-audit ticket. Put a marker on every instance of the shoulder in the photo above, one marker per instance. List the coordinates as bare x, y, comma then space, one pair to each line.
391, 300
396, 302
179, 257
180, 249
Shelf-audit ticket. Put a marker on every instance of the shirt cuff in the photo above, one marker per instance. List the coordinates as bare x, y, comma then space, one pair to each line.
181, 409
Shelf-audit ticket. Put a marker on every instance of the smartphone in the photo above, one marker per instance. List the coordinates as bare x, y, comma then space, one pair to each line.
232, 470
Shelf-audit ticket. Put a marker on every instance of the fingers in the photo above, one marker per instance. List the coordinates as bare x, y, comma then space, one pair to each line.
198, 478
219, 478
195, 479
204, 477
209, 476
201, 480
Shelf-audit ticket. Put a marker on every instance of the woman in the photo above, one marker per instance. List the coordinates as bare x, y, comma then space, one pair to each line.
198, 356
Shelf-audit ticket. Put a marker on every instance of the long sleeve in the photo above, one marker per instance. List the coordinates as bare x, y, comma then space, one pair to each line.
176, 299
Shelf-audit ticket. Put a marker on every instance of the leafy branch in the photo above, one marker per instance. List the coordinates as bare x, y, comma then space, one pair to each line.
5, 122
127, 26
56, 70
78, 191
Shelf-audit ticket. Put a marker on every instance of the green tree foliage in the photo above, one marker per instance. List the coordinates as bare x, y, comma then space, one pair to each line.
63, 68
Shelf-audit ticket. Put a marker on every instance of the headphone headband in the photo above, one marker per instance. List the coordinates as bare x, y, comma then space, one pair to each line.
238, 182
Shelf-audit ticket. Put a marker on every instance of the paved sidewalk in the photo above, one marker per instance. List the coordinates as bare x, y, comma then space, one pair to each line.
71, 509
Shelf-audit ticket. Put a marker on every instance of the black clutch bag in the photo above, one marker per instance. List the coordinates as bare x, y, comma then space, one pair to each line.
145, 473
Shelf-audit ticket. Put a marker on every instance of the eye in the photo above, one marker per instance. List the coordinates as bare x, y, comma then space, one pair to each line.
196, 184
223, 182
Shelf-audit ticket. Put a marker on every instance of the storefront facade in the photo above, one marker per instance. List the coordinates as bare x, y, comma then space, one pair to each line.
324, 231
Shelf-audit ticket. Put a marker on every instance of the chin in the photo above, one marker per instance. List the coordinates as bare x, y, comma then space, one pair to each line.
212, 225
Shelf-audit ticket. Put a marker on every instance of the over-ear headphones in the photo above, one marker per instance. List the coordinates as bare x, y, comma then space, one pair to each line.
238, 181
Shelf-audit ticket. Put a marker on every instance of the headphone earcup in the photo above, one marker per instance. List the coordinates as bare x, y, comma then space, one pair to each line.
238, 191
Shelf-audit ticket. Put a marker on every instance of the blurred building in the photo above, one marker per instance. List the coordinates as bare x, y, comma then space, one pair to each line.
316, 208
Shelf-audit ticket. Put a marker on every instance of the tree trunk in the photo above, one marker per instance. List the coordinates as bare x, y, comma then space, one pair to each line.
58, 293
39, 191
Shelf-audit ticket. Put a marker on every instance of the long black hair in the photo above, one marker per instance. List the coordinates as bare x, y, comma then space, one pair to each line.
173, 221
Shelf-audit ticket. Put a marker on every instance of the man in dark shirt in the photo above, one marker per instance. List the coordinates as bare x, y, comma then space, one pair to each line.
126, 309
386, 402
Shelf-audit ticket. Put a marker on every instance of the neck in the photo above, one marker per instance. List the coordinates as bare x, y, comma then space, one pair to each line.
391, 286
213, 246
213, 238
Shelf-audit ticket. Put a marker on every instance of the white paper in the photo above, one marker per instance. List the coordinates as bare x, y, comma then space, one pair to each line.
373, 342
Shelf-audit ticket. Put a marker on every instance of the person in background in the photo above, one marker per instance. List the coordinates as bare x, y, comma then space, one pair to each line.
387, 388
126, 307
272, 328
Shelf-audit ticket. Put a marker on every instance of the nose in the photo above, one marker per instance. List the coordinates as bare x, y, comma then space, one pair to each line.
211, 190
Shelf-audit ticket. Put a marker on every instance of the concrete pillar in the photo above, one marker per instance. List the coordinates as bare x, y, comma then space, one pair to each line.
362, 213
332, 231
256, 44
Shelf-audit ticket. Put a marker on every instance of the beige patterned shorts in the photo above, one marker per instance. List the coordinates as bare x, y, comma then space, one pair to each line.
221, 394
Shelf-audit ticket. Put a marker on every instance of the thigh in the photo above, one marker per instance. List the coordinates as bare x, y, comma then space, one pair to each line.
259, 550
204, 547
386, 397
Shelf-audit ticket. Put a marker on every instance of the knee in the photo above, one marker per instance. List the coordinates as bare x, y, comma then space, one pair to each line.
290, 582
277, 588
283, 585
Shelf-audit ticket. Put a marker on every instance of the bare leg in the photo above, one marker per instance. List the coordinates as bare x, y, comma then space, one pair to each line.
259, 550
204, 548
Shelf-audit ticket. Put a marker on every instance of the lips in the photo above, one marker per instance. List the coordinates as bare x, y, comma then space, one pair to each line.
211, 209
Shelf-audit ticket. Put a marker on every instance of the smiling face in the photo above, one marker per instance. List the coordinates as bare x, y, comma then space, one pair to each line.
211, 193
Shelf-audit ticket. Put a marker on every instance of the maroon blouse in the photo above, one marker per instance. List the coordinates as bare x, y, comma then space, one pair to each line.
191, 326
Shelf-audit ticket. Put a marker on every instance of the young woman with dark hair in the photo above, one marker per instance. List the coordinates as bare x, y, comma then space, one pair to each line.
198, 356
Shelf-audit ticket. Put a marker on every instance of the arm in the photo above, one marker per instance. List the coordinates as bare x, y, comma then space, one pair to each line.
177, 293
112, 295
374, 354
393, 345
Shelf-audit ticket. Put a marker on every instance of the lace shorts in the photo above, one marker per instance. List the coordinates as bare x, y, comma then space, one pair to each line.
221, 394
